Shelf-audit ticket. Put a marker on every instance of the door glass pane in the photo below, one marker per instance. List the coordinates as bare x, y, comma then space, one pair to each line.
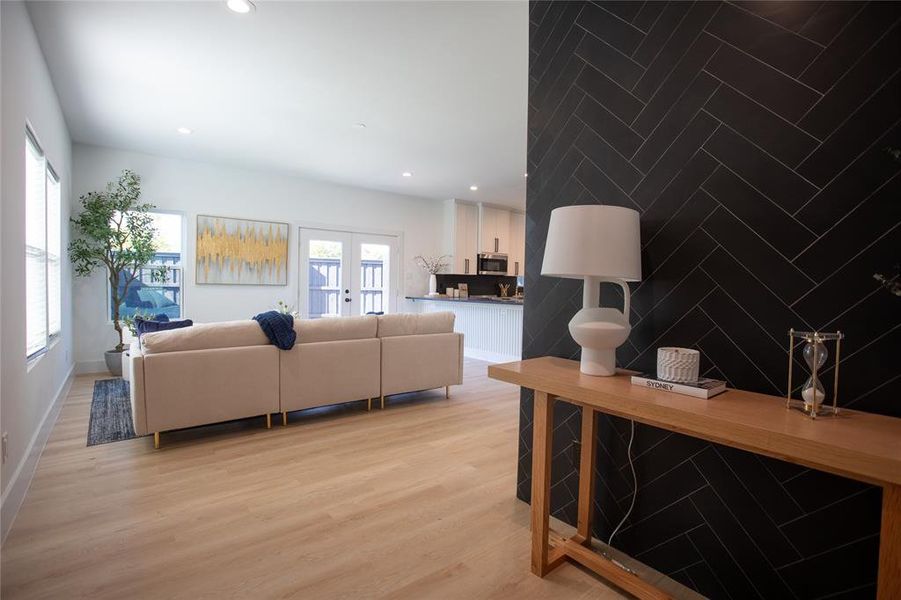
148, 296
374, 278
325, 260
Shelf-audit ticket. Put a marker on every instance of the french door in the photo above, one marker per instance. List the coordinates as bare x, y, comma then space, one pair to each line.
344, 273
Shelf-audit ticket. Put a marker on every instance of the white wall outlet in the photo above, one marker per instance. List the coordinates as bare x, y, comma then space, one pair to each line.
5, 447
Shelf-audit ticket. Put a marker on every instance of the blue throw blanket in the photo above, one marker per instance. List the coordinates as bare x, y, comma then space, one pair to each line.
278, 327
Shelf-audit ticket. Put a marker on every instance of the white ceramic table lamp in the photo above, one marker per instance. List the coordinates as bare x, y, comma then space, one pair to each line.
595, 243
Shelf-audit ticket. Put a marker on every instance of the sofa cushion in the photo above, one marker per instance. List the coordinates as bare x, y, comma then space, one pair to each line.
205, 336
310, 331
416, 324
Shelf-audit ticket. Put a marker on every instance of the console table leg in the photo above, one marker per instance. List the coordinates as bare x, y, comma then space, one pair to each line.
889, 586
586, 474
542, 436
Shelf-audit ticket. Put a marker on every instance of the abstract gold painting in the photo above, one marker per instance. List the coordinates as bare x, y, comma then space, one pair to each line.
241, 251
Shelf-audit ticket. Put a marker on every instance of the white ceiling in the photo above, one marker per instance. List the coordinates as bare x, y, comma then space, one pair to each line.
441, 87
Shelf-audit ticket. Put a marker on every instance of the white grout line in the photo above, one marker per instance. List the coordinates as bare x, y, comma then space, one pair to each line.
754, 275
888, 382
773, 202
608, 111
666, 41
835, 37
750, 316
679, 170
614, 48
754, 499
859, 108
670, 109
774, 23
842, 266
850, 163
663, 46
611, 80
742, 352
756, 145
846, 215
766, 64
849, 69
649, 27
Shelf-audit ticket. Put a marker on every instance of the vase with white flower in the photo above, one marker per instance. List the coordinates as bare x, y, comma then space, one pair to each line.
432, 265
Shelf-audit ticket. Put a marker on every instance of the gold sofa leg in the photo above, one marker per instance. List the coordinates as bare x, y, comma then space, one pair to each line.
285, 419
156, 440
447, 391
368, 404
383, 403
268, 420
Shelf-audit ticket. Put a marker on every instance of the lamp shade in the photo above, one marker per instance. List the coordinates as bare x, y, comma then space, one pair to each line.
599, 241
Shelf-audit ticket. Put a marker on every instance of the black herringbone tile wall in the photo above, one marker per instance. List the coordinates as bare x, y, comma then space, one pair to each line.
752, 138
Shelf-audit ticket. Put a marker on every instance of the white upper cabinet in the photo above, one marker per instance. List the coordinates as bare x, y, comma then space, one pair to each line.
516, 264
494, 229
462, 230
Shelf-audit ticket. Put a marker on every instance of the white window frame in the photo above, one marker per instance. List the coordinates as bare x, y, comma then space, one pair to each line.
181, 267
49, 172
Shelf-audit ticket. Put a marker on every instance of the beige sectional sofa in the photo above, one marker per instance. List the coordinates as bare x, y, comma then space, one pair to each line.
223, 371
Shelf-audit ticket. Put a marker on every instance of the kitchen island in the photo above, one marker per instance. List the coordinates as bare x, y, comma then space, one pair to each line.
491, 325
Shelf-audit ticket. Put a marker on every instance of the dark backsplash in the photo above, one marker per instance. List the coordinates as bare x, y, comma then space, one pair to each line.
479, 285
752, 137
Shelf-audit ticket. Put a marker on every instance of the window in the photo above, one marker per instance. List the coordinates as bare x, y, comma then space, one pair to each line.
43, 249
146, 297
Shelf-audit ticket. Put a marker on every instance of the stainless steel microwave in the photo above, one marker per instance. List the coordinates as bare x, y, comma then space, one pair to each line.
492, 264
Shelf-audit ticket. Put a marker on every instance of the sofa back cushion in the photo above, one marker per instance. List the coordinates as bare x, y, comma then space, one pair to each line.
310, 331
205, 336
415, 324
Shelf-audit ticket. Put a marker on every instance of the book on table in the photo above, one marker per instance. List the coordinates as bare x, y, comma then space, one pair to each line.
702, 388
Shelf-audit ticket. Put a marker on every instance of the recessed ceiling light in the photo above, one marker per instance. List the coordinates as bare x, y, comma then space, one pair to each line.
407, 174
240, 6
184, 131
525, 174
361, 125
474, 187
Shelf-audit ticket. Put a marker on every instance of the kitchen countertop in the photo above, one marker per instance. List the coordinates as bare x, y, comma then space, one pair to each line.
496, 300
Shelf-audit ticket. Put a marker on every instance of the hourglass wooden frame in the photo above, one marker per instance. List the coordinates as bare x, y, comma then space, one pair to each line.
814, 337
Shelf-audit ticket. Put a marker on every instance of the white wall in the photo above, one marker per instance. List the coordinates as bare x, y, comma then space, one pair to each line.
202, 188
27, 392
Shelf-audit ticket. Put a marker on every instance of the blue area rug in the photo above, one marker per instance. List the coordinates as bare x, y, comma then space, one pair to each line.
111, 419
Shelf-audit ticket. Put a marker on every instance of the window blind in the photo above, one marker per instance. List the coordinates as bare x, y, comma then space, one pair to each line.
35, 249
54, 254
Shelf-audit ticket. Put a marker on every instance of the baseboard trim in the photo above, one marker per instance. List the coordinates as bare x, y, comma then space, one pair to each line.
15, 492
492, 357
90, 367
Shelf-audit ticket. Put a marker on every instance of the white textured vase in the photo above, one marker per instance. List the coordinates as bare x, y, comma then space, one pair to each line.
433, 285
679, 365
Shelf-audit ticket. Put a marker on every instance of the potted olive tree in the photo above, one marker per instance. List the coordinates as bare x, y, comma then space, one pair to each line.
115, 231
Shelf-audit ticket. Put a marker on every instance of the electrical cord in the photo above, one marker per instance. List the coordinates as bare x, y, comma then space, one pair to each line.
634, 485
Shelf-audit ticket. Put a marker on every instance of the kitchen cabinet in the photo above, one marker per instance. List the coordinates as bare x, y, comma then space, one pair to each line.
462, 236
494, 229
516, 264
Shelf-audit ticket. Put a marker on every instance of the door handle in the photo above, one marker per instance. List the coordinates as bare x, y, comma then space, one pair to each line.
466, 266
347, 299
516, 268
496, 244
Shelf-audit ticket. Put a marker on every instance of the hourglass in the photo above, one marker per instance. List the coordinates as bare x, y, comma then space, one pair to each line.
815, 355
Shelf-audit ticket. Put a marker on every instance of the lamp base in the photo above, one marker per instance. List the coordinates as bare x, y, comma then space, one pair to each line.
598, 362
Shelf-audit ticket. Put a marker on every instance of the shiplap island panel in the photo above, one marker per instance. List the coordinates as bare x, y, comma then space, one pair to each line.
492, 329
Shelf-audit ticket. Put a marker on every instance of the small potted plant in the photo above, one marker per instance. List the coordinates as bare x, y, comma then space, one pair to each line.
115, 231
432, 265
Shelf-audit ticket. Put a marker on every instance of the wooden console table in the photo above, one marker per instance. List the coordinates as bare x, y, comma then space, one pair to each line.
857, 445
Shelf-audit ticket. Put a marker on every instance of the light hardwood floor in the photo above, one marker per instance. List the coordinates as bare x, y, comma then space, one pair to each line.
416, 501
